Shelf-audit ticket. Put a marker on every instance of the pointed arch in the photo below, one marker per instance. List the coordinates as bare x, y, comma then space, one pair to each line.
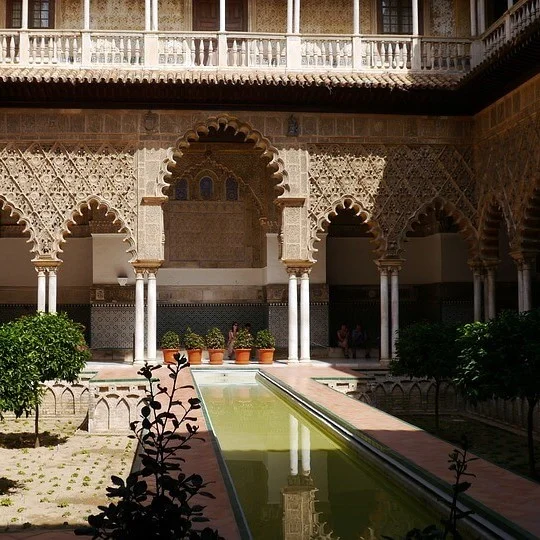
347, 201
528, 228
110, 209
225, 121
14, 211
464, 224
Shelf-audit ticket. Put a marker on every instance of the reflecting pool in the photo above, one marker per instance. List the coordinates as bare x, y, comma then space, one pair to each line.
294, 481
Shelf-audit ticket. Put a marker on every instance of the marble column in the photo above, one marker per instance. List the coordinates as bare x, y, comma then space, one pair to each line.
155, 15
527, 290
296, 16
305, 442
520, 286
148, 15
415, 18
293, 445
394, 282
222, 12
52, 290
473, 18
290, 11
481, 16
86, 15
139, 316
477, 291
24, 15
384, 345
42, 286
305, 335
490, 276
293, 316
152, 316
356, 17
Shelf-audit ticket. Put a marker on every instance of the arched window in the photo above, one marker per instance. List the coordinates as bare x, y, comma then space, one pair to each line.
231, 189
181, 192
206, 186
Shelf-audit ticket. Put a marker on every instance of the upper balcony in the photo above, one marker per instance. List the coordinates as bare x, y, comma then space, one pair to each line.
322, 36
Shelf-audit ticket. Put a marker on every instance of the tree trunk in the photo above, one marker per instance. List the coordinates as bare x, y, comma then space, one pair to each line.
530, 439
36, 426
437, 388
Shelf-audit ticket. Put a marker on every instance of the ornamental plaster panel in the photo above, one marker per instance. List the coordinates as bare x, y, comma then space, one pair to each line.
270, 16
389, 185
326, 17
47, 184
442, 18
69, 14
173, 15
118, 15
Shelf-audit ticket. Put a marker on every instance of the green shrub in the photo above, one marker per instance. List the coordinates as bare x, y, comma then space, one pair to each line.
215, 339
244, 340
170, 340
265, 340
193, 340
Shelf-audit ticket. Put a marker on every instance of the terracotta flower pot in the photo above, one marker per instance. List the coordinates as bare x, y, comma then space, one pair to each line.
216, 356
266, 356
194, 356
242, 356
168, 355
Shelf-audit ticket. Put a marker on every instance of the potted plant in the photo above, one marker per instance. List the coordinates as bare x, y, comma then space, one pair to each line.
215, 341
242, 346
170, 345
194, 344
266, 345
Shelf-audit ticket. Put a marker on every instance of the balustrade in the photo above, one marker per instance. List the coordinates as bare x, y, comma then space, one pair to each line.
9, 47
384, 53
327, 52
249, 50
54, 48
117, 49
188, 50
446, 55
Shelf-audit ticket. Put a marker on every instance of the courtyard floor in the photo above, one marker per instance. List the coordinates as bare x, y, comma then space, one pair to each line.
515, 498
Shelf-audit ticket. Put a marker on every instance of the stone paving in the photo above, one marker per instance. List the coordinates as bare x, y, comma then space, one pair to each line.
514, 497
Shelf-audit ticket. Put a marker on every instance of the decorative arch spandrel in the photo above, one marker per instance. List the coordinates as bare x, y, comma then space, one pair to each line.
47, 181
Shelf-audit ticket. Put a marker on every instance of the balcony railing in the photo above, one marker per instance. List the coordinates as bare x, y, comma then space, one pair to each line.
305, 53
510, 25
255, 51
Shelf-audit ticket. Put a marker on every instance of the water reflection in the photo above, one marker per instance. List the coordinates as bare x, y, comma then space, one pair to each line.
296, 483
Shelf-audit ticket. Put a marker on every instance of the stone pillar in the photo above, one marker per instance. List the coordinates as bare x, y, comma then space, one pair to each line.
415, 18
520, 286
356, 17
394, 280
296, 16
139, 316
305, 440
148, 15
290, 8
481, 16
86, 15
52, 290
24, 15
490, 277
222, 12
527, 290
477, 291
152, 316
305, 335
293, 445
384, 346
42, 285
293, 315
473, 18
155, 16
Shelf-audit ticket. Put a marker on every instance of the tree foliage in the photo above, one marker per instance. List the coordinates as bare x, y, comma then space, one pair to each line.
501, 359
34, 349
427, 350
156, 500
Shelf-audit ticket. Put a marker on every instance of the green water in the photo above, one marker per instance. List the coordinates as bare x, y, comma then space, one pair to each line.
293, 481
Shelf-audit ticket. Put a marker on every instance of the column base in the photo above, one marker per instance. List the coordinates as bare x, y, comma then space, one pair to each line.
292, 361
385, 362
305, 360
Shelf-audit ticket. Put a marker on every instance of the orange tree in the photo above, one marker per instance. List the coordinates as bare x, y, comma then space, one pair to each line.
501, 359
427, 350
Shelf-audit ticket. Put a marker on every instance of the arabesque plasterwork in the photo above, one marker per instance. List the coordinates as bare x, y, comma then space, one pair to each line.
47, 184
388, 185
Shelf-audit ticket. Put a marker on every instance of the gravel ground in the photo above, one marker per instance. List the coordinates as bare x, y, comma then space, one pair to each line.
64, 480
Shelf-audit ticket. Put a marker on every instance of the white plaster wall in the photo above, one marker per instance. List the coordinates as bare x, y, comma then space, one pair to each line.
185, 277
350, 262
422, 261
110, 259
18, 270
275, 271
454, 258
318, 272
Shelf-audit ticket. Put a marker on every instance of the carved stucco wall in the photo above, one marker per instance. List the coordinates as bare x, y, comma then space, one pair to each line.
507, 163
442, 18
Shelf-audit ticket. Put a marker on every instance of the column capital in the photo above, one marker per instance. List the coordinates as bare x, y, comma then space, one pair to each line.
148, 266
523, 258
46, 264
299, 268
389, 265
